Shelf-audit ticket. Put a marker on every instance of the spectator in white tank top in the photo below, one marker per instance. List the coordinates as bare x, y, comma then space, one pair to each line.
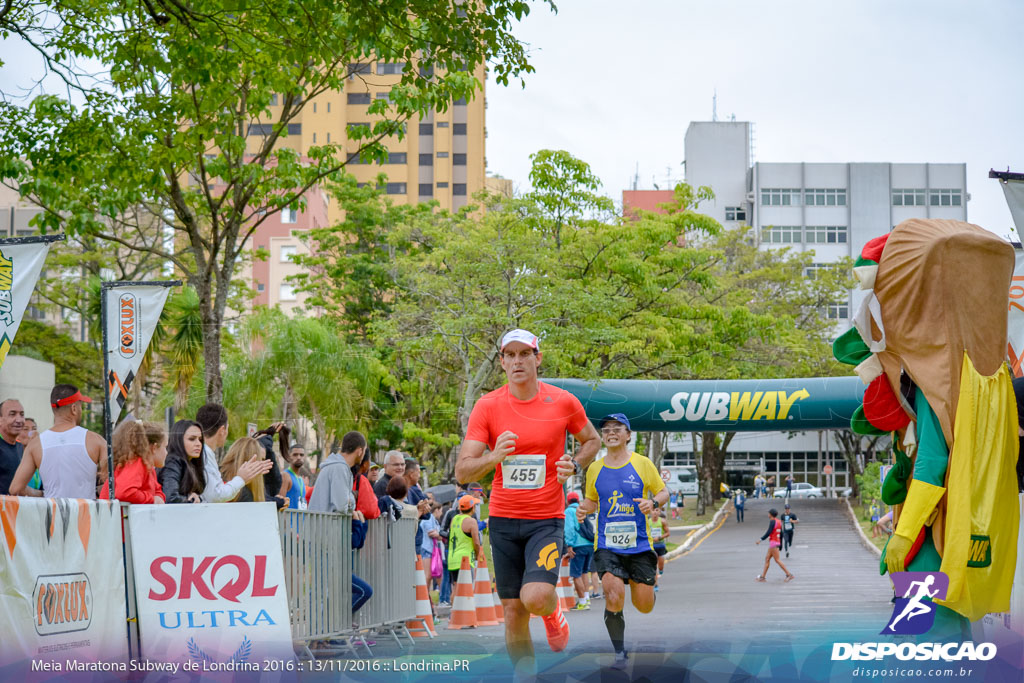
71, 460
213, 420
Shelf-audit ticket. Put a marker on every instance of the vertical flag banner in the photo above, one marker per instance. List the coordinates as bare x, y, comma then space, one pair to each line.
1013, 190
21, 261
131, 311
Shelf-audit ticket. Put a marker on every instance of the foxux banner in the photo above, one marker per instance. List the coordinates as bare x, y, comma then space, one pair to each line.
131, 311
62, 601
21, 261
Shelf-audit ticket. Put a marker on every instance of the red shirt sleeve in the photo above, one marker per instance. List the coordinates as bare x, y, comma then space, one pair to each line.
479, 417
130, 483
366, 502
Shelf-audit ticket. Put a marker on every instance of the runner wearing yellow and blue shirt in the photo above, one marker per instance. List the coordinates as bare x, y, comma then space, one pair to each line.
618, 488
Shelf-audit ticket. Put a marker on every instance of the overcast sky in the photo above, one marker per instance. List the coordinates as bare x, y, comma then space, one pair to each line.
822, 81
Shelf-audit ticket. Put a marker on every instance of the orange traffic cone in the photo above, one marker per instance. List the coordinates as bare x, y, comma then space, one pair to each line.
463, 609
423, 625
499, 611
565, 591
482, 596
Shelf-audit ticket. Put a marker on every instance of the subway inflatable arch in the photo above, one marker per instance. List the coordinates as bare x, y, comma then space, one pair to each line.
750, 405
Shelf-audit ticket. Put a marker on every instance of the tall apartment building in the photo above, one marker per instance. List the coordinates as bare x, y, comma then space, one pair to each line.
830, 208
441, 157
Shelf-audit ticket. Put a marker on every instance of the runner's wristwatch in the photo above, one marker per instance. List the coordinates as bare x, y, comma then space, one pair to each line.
575, 466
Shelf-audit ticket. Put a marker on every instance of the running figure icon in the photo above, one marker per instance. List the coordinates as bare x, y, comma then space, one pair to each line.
915, 607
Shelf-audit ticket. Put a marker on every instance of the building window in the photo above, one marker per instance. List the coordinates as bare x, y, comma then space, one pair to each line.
426, 72
287, 292
289, 215
442, 185
426, 129
825, 197
735, 213
442, 155
390, 68
945, 198
837, 312
359, 98
780, 197
354, 158
426, 159
288, 253
273, 100
782, 234
356, 130
459, 128
826, 234
458, 159
397, 158
811, 271
384, 96
294, 129
461, 102
314, 107
442, 124
328, 107
426, 190
907, 197
459, 189
260, 287
358, 68
395, 188
261, 128
328, 137
314, 138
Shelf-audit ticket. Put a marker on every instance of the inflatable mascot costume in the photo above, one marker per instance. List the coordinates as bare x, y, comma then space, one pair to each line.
930, 343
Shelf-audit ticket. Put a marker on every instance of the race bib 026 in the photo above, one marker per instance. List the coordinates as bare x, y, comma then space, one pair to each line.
524, 471
620, 535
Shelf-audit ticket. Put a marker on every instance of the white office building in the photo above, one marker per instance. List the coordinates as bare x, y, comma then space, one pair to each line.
830, 208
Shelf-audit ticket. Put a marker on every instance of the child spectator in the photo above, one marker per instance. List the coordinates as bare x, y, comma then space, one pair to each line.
139, 448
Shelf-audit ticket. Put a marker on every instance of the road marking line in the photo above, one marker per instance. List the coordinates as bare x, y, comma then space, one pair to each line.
697, 544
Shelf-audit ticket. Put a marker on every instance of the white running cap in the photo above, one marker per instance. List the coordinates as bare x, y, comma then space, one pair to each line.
528, 338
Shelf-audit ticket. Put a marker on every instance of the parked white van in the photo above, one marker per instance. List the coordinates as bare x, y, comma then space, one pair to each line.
680, 479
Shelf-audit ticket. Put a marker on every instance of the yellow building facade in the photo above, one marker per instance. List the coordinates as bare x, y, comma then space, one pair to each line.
441, 156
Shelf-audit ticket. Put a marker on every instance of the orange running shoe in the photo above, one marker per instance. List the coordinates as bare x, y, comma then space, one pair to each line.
557, 629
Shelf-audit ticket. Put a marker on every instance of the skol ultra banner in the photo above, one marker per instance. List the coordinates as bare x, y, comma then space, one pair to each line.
61, 584
210, 601
21, 261
132, 312
1015, 319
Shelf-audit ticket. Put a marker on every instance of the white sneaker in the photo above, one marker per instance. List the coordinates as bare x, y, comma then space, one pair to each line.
621, 660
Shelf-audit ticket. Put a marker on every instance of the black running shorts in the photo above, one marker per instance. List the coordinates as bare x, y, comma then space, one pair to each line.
637, 567
525, 551
660, 550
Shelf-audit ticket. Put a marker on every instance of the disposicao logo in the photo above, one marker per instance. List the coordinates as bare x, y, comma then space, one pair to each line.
914, 614
716, 406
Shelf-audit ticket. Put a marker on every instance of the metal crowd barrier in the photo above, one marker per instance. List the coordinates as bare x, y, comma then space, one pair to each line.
317, 551
387, 561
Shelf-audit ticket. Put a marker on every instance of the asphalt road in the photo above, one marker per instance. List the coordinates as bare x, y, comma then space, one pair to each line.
711, 614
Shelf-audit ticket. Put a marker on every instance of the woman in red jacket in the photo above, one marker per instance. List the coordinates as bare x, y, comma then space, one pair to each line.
139, 448
362, 489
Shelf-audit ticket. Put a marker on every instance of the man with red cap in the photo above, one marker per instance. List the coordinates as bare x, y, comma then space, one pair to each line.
519, 432
71, 460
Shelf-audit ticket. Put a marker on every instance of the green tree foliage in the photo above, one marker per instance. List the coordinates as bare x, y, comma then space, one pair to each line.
78, 363
165, 133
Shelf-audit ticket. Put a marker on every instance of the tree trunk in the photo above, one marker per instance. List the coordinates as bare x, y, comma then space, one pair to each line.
657, 450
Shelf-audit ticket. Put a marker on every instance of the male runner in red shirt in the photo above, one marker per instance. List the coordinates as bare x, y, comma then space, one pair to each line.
520, 430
